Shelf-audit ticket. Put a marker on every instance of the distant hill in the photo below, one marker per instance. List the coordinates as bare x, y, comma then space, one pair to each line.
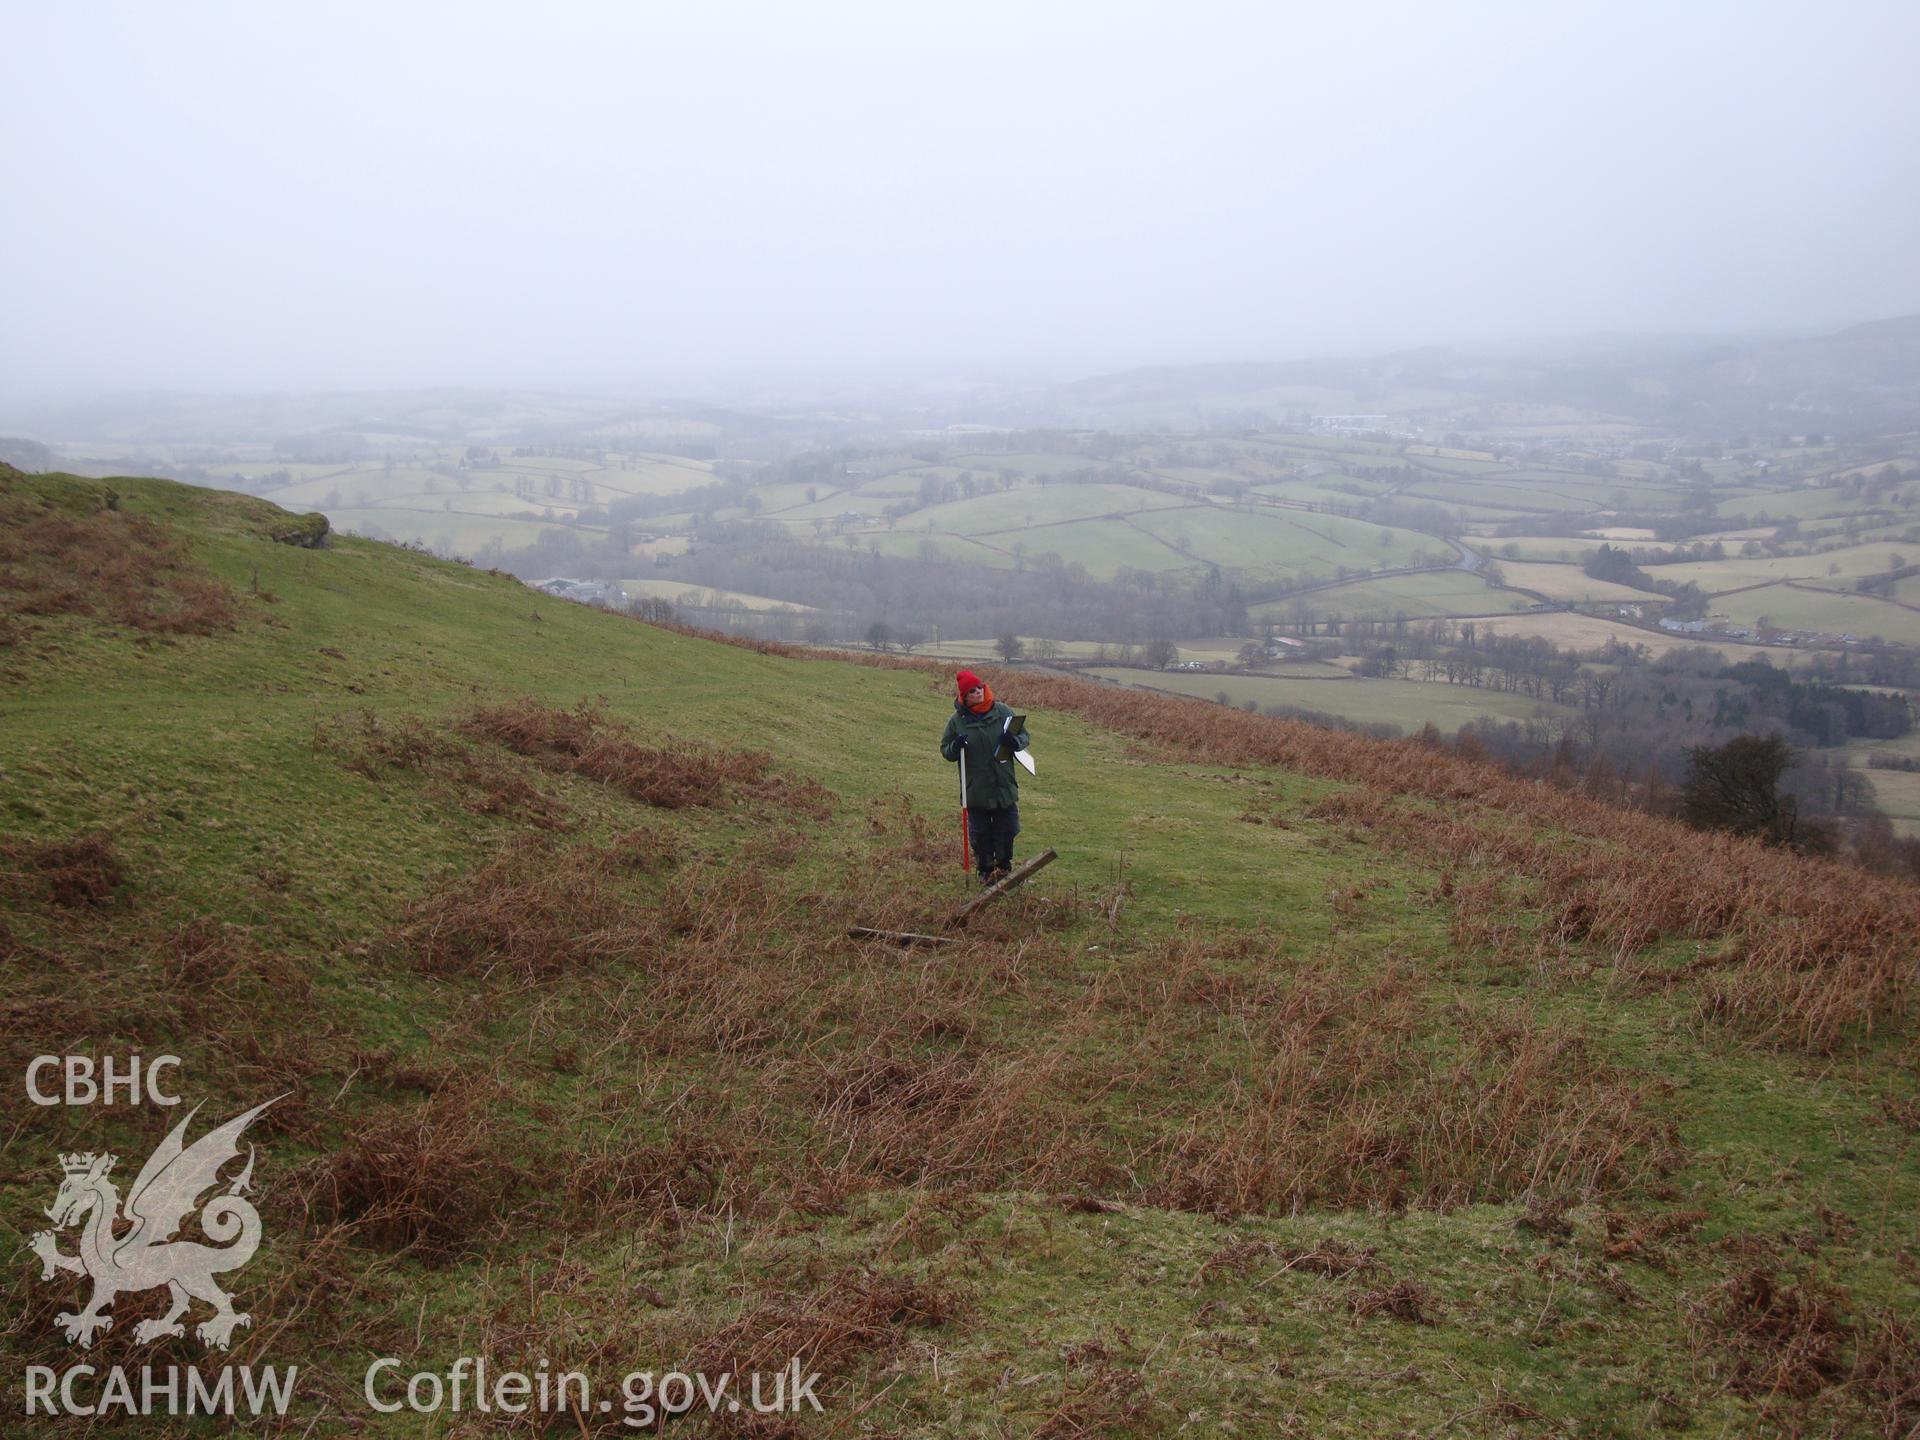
370, 422
1904, 329
1872, 368
1862, 378
29, 455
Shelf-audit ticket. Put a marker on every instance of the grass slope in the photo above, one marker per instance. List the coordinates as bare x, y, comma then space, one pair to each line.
1314, 1090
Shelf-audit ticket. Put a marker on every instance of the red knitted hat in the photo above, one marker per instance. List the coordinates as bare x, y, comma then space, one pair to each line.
966, 680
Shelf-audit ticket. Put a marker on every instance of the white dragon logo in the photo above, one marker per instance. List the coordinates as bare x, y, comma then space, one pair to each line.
164, 1194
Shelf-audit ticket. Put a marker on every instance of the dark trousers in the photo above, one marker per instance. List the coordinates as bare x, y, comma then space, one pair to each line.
990, 833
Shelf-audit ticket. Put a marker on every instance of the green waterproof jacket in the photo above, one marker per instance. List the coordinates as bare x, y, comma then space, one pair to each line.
992, 783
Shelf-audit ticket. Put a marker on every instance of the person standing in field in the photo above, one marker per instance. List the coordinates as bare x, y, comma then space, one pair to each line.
981, 730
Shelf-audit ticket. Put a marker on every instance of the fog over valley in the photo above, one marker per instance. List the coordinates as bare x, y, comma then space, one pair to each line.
226, 197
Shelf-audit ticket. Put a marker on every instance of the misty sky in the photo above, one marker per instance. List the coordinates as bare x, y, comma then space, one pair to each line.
347, 195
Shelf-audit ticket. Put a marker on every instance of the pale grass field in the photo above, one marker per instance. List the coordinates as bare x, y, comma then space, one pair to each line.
682, 593
1567, 582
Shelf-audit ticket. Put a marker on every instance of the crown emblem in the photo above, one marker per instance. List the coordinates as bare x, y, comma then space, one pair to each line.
79, 1164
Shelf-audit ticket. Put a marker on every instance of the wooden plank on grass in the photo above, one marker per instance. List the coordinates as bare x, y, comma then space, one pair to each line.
898, 937
987, 897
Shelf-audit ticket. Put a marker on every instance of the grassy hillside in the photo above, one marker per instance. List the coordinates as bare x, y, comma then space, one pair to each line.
1322, 1087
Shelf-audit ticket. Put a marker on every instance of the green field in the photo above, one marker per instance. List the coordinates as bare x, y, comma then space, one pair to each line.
884, 488
682, 593
1324, 490
1104, 547
1224, 652
1509, 496
1022, 463
1825, 612
775, 499
1560, 549
530, 480
1273, 545
1814, 502
915, 544
1035, 505
1408, 704
447, 534
1568, 582
1897, 792
1827, 569
1426, 595
1584, 634
465, 509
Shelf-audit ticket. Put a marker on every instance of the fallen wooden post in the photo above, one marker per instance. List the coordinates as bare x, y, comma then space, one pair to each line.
898, 937
987, 897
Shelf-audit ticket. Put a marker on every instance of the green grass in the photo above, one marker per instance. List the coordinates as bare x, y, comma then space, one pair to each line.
1424, 596
1510, 495
410, 500
1105, 547
1564, 549
1827, 569
681, 592
1567, 582
1274, 544
1035, 505
447, 533
1818, 501
1897, 792
1408, 704
1324, 489
1161, 972
1021, 462
1791, 607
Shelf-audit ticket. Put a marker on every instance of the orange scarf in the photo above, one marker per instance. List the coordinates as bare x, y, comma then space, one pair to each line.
986, 700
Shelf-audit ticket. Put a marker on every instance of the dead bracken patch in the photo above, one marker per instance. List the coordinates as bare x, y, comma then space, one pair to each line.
1345, 1103
486, 784
1777, 1338
1639, 1237
534, 911
1546, 1216
684, 1175
827, 1325
371, 745
1799, 1350
1408, 1300
586, 741
103, 563
436, 1178
83, 872
939, 1119
1104, 1396
254, 1008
